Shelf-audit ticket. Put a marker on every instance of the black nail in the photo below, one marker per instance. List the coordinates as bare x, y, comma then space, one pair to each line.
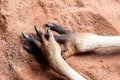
25, 35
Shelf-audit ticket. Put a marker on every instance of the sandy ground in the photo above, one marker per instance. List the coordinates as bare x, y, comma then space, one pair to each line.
95, 16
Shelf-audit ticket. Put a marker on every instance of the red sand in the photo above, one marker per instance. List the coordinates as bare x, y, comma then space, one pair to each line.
96, 16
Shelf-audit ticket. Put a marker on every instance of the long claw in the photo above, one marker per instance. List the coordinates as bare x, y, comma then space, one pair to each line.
37, 29
29, 39
56, 28
48, 25
25, 35
32, 40
39, 32
48, 30
48, 33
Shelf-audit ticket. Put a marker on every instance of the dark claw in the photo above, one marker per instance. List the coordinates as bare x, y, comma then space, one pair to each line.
48, 33
32, 40
48, 25
36, 29
29, 39
56, 28
39, 33
48, 30
25, 35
